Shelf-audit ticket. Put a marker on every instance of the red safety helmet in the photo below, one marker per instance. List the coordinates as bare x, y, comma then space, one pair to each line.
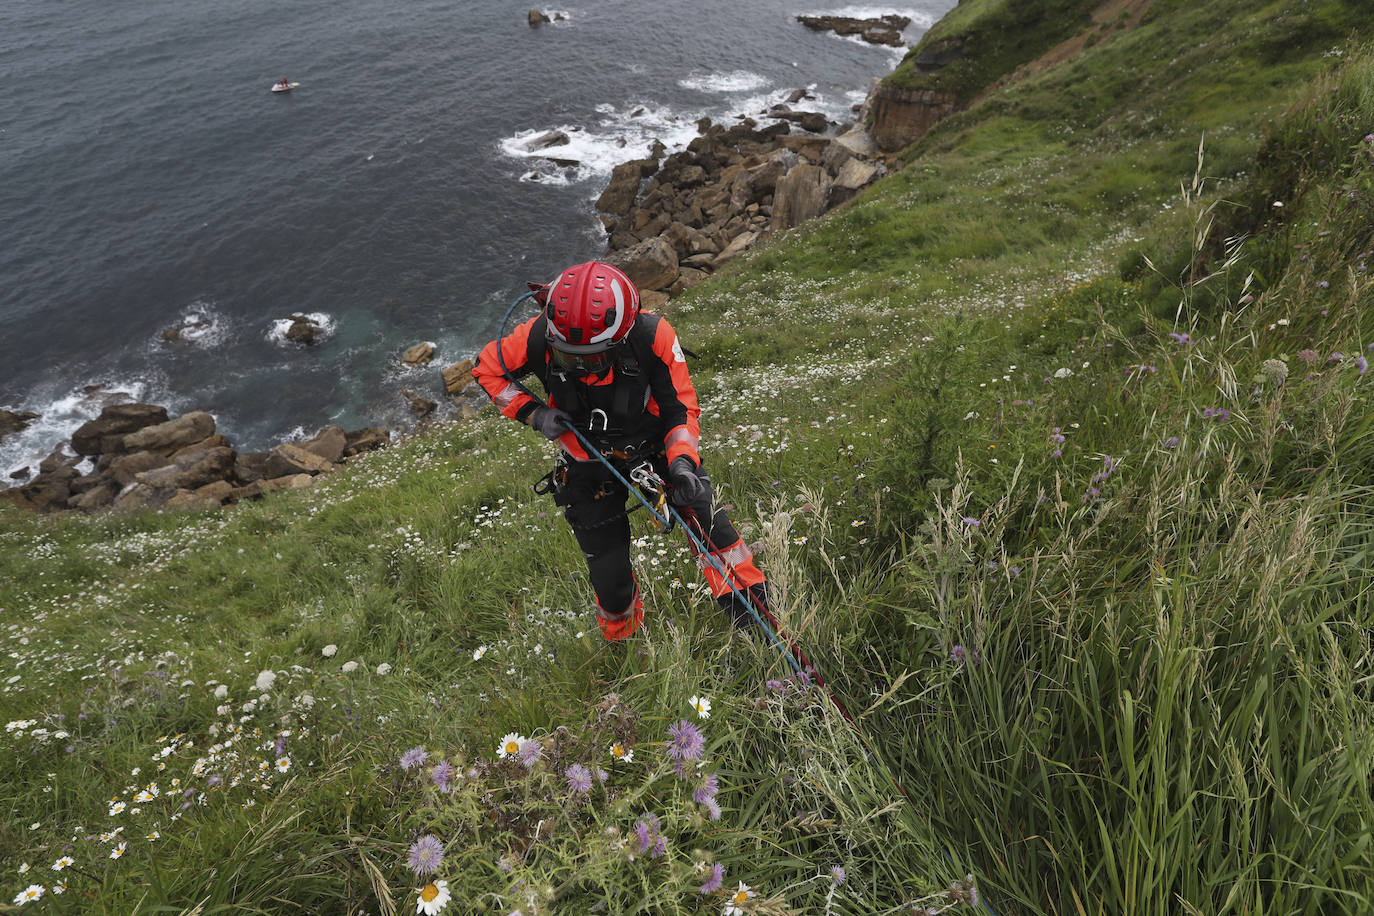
591, 308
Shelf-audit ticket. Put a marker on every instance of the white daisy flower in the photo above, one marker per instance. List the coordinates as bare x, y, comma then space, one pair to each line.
510, 745
622, 754
283, 764
738, 897
433, 898
63, 863
118, 850
702, 705
329, 650
29, 894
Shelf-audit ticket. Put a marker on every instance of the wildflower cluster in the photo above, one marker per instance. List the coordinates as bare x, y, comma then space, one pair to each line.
598, 798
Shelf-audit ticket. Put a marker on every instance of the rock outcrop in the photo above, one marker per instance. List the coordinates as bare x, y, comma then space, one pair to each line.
878, 30
672, 220
12, 421
143, 459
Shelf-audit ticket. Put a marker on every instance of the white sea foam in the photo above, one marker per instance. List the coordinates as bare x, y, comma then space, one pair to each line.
276, 332
201, 326
732, 82
618, 135
61, 412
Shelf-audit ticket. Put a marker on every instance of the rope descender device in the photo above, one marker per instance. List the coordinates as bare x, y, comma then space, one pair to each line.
643, 476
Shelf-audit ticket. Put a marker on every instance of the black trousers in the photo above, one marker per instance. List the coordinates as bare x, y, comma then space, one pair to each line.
593, 502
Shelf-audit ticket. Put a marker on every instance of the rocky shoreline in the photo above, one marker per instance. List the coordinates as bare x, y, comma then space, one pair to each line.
671, 221
140, 458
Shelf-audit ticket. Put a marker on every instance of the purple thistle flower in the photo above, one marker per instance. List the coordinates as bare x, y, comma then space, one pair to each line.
1171, 442
660, 847
646, 832
774, 684
579, 778
1181, 339
281, 745
715, 880
707, 790
1308, 356
971, 521
602, 775
413, 758
957, 654
686, 741
1361, 364
426, 855
530, 752
713, 809
442, 775
837, 875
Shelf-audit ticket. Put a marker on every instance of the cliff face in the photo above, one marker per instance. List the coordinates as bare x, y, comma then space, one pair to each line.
900, 117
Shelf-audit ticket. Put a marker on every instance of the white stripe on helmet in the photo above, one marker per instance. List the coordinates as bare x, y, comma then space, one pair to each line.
609, 333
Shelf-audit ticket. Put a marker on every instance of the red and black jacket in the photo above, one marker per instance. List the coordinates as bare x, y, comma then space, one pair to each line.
645, 399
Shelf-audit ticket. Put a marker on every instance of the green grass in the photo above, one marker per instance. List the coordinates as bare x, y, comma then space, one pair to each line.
1096, 594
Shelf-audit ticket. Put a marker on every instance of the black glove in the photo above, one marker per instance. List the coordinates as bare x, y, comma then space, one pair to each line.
550, 421
690, 485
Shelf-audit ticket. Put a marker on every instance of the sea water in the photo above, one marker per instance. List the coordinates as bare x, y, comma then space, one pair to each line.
149, 179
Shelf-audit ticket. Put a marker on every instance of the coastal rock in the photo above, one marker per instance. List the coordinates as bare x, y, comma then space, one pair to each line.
191, 471
329, 443
854, 175
172, 435
13, 422
620, 193
287, 459
458, 376
97, 497
192, 499
215, 441
881, 30
367, 439
106, 433
801, 195
48, 492
192, 324
651, 264
419, 355
290, 482
900, 117
127, 467
538, 17
304, 330
250, 467
420, 406
736, 248
547, 140
142, 496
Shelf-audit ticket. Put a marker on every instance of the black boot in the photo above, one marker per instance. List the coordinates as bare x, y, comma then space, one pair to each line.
739, 613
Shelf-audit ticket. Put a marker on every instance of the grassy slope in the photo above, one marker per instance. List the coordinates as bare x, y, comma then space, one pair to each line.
1165, 713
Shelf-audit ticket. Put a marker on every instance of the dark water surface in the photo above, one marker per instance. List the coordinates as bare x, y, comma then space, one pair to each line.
148, 176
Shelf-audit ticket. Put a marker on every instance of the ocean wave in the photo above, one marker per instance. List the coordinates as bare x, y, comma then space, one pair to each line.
731, 82
276, 332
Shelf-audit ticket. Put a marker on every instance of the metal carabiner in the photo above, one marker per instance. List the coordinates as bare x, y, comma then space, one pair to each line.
642, 475
605, 421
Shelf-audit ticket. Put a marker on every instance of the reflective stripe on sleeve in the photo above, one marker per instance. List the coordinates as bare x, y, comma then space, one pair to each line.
506, 396
682, 436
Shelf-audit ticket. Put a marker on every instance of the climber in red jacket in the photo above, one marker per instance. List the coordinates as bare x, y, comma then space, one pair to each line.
618, 375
